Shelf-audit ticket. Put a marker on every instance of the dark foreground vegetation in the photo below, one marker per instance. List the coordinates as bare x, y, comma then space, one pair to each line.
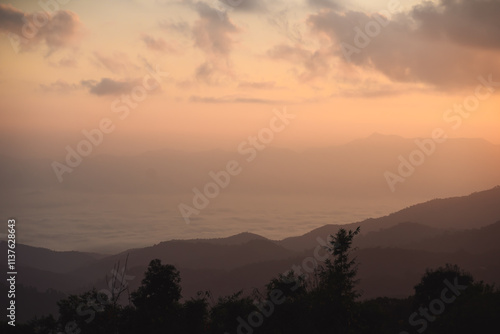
447, 300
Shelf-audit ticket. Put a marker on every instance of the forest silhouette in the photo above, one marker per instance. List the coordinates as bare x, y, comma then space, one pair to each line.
446, 300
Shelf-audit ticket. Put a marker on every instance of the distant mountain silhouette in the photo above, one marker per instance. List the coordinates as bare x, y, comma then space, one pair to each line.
400, 235
237, 239
475, 210
393, 252
475, 241
353, 170
192, 254
54, 261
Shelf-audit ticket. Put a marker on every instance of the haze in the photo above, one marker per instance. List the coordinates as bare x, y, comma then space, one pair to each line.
181, 86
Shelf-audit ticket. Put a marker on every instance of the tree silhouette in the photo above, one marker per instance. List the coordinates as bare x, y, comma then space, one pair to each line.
455, 303
290, 306
196, 313
157, 299
228, 314
336, 293
446, 300
434, 281
87, 312
159, 289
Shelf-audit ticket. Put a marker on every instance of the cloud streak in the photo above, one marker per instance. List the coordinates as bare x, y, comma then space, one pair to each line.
107, 86
232, 99
59, 86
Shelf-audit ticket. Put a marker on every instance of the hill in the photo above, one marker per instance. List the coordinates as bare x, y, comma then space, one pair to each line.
393, 252
478, 209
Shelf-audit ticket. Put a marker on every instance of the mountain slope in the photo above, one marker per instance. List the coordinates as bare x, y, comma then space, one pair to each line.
475, 210
49, 260
193, 255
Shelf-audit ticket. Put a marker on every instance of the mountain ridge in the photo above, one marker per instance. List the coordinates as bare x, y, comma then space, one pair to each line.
393, 252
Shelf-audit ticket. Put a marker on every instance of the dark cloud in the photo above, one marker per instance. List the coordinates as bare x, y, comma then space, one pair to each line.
468, 22
11, 19
62, 28
447, 45
109, 86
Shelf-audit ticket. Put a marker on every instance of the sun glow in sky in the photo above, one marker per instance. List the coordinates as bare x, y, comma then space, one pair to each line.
231, 63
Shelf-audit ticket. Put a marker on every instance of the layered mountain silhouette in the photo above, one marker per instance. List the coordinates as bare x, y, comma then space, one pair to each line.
393, 251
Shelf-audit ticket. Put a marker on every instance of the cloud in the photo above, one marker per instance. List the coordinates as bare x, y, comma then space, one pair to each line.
323, 4
109, 86
468, 22
59, 86
376, 90
156, 44
180, 27
68, 62
105, 86
212, 31
240, 5
117, 63
61, 29
11, 19
314, 63
283, 23
205, 72
214, 72
440, 44
257, 85
232, 99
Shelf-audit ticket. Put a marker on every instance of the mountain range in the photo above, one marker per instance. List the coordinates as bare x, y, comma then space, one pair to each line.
392, 251
352, 170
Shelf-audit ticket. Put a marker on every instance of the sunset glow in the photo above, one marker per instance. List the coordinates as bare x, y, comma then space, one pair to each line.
229, 66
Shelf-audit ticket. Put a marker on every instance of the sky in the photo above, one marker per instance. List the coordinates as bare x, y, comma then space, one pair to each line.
344, 69
139, 85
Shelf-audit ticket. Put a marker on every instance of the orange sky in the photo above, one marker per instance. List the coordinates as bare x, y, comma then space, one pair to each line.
230, 65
